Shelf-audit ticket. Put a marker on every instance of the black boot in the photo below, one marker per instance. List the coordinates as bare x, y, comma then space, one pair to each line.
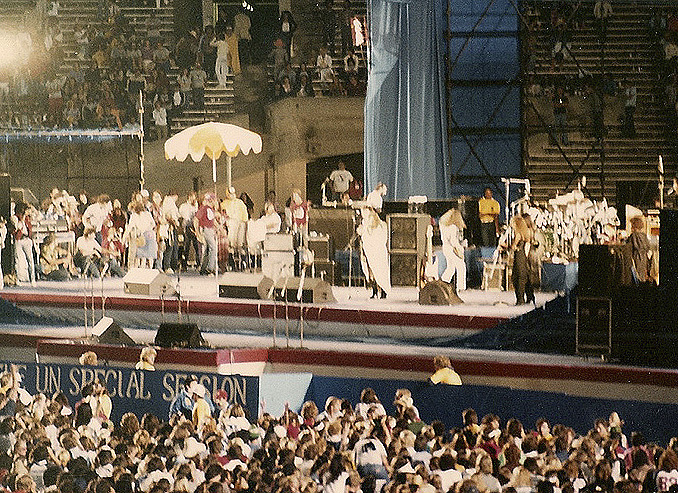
383, 294
374, 292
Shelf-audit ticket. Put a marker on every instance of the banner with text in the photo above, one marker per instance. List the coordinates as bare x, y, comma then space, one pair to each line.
136, 391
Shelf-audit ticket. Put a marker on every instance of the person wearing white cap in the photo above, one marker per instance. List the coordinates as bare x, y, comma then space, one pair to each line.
201, 410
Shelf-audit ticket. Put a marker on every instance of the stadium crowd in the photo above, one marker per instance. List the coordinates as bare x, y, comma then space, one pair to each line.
207, 444
122, 56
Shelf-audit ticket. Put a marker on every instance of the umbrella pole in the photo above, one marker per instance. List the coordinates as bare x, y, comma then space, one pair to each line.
228, 171
216, 198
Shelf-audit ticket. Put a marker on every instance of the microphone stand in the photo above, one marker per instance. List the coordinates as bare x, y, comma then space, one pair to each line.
103, 298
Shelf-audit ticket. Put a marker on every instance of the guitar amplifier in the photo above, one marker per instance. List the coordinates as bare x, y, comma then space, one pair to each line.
322, 247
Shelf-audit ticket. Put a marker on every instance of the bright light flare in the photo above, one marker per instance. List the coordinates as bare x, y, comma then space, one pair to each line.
15, 48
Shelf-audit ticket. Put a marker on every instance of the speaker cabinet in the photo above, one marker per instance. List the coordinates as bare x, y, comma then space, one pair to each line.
109, 332
407, 247
149, 282
276, 264
339, 224
179, 335
328, 271
239, 285
405, 269
408, 231
279, 242
322, 247
438, 293
594, 325
314, 290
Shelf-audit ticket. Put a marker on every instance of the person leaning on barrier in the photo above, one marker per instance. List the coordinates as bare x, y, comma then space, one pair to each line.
444, 373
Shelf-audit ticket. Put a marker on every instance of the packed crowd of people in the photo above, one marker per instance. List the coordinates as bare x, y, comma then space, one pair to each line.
207, 444
121, 56
152, 231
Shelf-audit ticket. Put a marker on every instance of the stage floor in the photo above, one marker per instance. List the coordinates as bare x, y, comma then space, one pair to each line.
400, 316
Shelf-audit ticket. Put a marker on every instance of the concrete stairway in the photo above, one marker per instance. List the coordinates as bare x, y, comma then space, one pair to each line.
626, 54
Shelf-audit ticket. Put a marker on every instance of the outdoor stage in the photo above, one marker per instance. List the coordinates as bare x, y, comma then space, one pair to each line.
354, 315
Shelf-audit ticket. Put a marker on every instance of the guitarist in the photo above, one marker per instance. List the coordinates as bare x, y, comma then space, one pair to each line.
451, 231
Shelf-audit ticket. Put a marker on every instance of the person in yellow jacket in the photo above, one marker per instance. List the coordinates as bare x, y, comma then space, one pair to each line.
444, 373
201, 410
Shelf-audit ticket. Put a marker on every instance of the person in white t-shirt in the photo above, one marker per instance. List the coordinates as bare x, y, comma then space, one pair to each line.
340, 179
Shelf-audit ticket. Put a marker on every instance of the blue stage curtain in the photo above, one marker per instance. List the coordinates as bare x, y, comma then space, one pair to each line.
405, 118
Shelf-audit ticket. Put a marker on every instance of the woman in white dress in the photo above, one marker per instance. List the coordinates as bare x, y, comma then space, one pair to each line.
141, 230
374, 259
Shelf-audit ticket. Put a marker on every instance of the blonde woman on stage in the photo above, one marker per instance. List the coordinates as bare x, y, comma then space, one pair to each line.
374, 258
451, 233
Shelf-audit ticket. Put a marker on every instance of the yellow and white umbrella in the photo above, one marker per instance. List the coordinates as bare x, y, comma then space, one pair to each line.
212, 139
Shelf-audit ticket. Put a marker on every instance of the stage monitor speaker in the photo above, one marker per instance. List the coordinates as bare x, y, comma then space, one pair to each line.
175, 334
314, 290
149, 282
109, 332
438, 293
239, 285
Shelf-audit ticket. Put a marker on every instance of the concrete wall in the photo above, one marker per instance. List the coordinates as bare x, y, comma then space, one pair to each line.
304, 129
300, 130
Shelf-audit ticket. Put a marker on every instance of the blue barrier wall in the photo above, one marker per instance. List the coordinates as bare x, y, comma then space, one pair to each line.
132, 390
658, 422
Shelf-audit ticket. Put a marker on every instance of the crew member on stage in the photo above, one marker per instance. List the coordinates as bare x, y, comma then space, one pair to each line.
451, 233
488, 211
374, 259
526, 261
340, 179
375, 199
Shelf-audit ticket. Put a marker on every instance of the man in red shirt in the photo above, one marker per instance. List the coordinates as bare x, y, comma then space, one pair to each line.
205, 222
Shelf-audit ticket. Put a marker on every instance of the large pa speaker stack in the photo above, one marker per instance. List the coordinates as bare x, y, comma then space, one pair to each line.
407, 247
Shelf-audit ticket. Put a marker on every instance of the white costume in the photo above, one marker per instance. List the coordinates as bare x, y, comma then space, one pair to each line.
374, 235
452, 247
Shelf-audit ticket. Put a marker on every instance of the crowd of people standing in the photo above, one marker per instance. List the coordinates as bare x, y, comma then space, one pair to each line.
152, 231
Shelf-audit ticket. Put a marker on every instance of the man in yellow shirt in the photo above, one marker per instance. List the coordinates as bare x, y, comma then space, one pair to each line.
488, 211
444, 373
236, 214
201, 410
